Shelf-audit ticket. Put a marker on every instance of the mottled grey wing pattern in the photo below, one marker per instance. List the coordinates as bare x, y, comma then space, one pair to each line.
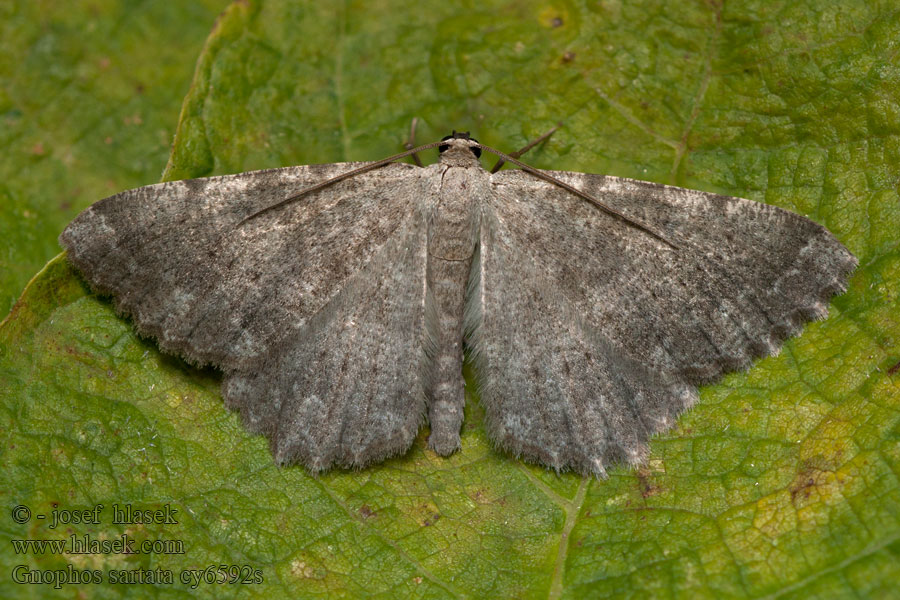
318, 287
628, 326
347, 389
174, 259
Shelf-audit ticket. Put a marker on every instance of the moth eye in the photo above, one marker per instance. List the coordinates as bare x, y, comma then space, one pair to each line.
462, 136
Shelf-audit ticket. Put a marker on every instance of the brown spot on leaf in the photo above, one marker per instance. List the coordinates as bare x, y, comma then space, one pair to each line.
556, 22
815, 481
366, 511
801, 488
426, 514
647, 487
568, 57
893, 370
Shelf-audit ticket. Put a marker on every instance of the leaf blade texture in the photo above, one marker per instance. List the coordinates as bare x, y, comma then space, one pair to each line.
779, 482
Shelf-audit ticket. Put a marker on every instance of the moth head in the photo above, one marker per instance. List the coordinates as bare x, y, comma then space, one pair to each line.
460, 135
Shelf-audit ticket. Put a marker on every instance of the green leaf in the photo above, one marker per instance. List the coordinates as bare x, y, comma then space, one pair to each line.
89, 92
782, 482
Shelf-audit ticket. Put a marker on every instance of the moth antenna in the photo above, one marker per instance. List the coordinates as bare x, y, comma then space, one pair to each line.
341, 177
597, 203
529, 146
410, 142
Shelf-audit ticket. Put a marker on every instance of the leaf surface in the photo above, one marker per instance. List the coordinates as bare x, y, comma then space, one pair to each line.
782, 482
89, 94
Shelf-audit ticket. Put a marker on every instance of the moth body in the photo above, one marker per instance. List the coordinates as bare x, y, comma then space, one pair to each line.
453, 229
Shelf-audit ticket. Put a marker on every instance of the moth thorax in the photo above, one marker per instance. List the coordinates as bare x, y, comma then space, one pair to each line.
459, 153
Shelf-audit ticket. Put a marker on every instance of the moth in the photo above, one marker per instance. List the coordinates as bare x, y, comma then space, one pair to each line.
337, 299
